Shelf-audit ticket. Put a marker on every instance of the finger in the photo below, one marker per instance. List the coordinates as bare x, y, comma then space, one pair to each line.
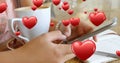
55, 35
86, 27
65, 49
66, 30
95, 38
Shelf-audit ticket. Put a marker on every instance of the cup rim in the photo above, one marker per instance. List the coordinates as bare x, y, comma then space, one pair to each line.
45, 6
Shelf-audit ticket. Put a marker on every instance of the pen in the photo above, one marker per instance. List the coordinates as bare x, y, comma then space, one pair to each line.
106, 54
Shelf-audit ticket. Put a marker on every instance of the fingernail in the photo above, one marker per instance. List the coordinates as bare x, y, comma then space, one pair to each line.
63, 37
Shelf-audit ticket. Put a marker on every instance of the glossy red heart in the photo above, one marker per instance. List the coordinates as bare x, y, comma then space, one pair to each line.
65, 22
38, 3
17, 33
83, 50
65, 7
33, 7
56, 2
97, 18
29, 22
3, 7
70, 12
75, 21
118, 52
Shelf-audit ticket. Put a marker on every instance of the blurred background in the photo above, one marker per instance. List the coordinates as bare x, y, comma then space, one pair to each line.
116, 12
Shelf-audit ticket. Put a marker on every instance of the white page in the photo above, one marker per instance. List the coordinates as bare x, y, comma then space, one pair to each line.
107, 43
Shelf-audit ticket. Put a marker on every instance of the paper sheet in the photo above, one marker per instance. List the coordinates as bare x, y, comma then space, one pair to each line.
106, 43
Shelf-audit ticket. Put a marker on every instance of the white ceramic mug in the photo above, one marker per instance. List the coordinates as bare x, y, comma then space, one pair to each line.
43, 16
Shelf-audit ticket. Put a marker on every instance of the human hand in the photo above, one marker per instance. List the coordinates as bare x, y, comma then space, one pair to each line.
76, 31
43, 50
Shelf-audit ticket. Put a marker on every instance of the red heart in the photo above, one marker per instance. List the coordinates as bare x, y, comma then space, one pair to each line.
3, 7
70, 12
17, 33
65, 2
52, 24
29, 22
83, 50
34, 8
56, 2
65, 7
97, 18
65, 22
118, 52
38, 3
75, 21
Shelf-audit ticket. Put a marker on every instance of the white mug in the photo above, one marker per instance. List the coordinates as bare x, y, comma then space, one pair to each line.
43, 16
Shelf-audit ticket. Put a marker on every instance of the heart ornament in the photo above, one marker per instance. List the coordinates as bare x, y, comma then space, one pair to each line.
83, 50
29, 22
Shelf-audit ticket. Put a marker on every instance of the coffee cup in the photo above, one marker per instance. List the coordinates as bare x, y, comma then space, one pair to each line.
43, 16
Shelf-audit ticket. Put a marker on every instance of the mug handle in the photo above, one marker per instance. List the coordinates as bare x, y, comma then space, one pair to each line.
12, 26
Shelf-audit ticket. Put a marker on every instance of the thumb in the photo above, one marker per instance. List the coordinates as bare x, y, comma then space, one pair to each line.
95, 38
55, 35
66, 30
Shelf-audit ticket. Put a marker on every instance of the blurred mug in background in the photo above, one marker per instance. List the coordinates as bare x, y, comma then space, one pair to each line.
23, 3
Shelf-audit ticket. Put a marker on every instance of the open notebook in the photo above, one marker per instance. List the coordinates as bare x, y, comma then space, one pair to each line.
106, 43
